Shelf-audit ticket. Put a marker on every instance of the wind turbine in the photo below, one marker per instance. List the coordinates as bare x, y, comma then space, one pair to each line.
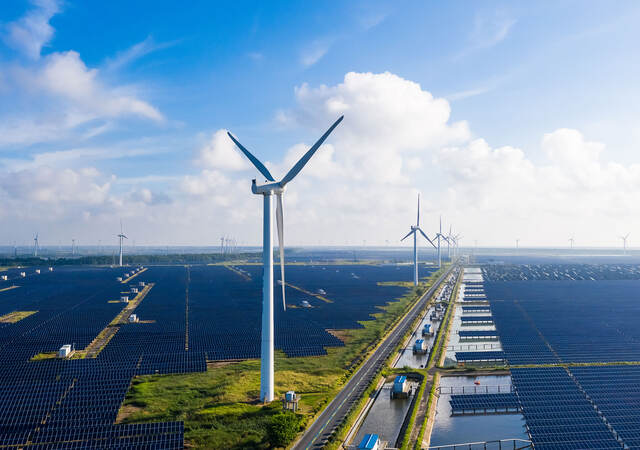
73, 247
624, 243
36, 246
571, 243
268, 190
439, 235
451, 240
121, 236
517, 243
455, 240
414, 231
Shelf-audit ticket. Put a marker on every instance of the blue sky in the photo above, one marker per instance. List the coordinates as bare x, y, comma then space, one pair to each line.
111, 109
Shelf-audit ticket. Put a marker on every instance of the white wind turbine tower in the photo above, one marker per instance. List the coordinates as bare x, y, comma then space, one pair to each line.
451, 239
414, 231
571, 242
624, 243
517, 243
268, 190
439, 235
121, 236
36, 245
455, 240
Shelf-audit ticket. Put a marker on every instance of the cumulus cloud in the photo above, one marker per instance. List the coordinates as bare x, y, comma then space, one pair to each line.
66, 75
396, 139
221, 153
31, 32
55, 188
362, 173
388, 119
59, 96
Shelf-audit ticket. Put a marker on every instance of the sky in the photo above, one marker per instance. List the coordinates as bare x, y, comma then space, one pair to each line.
511, 119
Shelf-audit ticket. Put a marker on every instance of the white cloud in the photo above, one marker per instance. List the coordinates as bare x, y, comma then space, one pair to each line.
489, 31
221, 153
59, 97
137, 51
31, 32
65, 75
396, 139
54, 189
387, 118
315, 51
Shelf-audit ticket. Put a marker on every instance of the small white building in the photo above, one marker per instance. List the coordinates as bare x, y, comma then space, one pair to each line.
50, 269
305, 304
124, 298
23, 274
134, 290
133, 318
119, 279
38, 271
4, 277
141, 284
400, 387
65, 351
420, 346
290, 401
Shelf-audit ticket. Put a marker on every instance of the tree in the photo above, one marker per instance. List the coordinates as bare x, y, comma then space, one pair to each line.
283, 428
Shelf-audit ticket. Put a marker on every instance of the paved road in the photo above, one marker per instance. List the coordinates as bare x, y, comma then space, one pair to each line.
319, 431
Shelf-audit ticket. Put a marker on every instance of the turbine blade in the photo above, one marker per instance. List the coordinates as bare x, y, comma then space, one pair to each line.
258, 165
408, 234
427, 238
418, 220
307, 156
280, 221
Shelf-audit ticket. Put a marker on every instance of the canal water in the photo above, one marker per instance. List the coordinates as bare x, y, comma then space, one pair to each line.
417, 360
459, 429
386, 416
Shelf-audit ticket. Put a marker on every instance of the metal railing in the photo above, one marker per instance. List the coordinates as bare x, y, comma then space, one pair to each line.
476, 389
515, 444
464, 347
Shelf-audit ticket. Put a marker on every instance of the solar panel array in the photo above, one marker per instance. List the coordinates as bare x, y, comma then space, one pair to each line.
615, 393
558, 414
569, 321
484, 402
534, 272
588, 317
475, 308
480, 356
67, 403
191, 315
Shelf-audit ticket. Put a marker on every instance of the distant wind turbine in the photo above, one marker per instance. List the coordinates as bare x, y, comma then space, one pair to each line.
121, 236
36, 245
571, 243
517, 243
414, 231
268, 190
624, 243
439, 236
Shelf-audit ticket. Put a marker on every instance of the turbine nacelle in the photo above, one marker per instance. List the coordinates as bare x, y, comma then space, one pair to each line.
267, 189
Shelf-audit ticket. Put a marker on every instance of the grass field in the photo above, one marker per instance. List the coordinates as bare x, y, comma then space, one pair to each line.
220, 407
16, 316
